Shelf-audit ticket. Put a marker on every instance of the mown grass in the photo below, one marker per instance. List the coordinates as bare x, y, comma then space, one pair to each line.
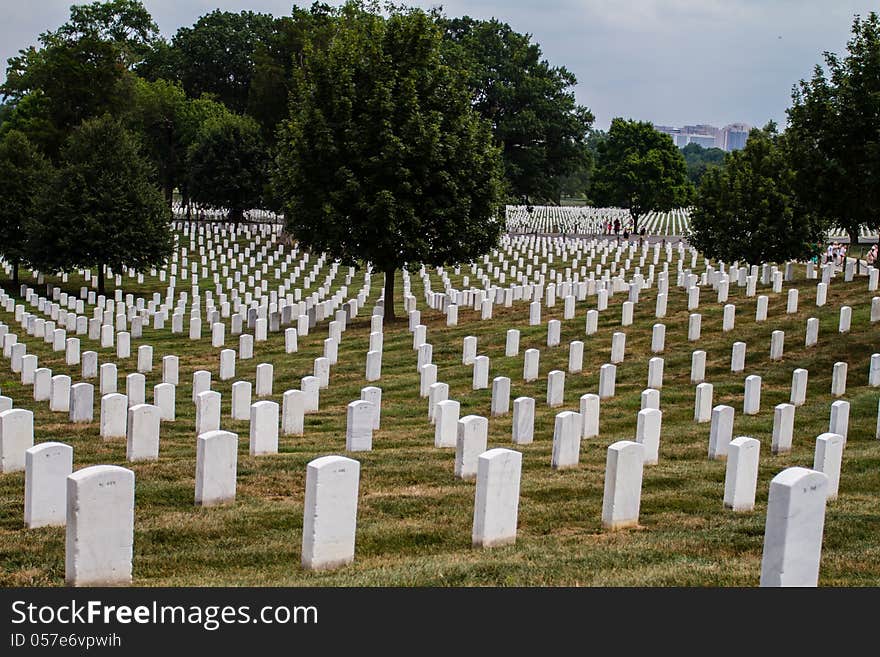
414, 517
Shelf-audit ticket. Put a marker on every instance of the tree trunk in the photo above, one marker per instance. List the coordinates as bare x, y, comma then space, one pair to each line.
101, 278
635, 224
15, 273
235, 216
389, 315
853, 237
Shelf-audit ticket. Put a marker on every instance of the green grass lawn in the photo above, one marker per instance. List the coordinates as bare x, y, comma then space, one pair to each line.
414, 517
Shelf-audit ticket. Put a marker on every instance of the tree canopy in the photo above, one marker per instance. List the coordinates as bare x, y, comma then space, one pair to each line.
640, 169
529, 103
383, 158
216, 55
700, 159
834, 133
227, 164
24, 173
77, 72
102, 207
748, 211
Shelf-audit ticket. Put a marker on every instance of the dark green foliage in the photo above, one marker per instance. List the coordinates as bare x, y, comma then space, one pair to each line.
383, 159
24, 173
155, 114
77, 72
227, 165
168, 123
534, 116
640, 169
275, 59
101, 208
747, 211
216, 55
834, 133
125, 23
699, 159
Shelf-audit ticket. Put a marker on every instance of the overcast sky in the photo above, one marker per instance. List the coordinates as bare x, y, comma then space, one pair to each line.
672, 62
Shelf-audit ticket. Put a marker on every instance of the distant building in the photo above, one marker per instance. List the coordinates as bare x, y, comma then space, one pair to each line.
735, 136
730, 138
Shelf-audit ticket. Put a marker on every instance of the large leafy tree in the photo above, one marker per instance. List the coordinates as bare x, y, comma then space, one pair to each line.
275, 58
834, 133
216, 55
156, 114
640, 169
529, 103
24, 173
383, 159
101, 208
700, 159
748, 210
168, 124
227, 165
77, 71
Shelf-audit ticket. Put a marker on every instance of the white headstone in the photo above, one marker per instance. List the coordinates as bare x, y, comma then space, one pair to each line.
523, 428
794, 527
828, 458
741, 475
164, 398
838, 379
658, 338
839, 422
100, 526
511, 345
216, 467
47, 466
59, 402
330, 513
114, 416
135, 388
373, 395
777, 341
292, 411
16, 437
703, 403
607, 380
698, 366
446, 423
359, 426
566, 440
648, 434
481, 373
555, 388
264, 428
471, 439
207, 412
500, 396
618, 347
623, 485
496, 502
170, 369
720, 431
82, 402
783, 428
241, 400
142, 433
108, 378
752, 395
265, 374
799, 386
